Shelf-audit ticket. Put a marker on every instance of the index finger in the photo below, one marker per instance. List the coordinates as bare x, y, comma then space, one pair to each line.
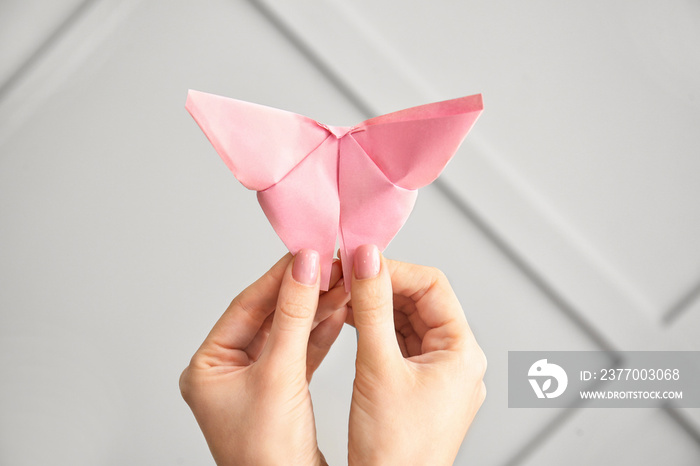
427, 291
241, 321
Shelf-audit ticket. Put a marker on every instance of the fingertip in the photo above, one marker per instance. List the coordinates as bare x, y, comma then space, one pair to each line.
297, 302
372, 305
336, 274
367, 262
371, 284
305, 269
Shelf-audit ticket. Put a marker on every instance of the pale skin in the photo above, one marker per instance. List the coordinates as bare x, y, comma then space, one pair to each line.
419, 371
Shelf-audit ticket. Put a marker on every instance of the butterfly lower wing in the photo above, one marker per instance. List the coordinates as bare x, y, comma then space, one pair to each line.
303, 207
372, 208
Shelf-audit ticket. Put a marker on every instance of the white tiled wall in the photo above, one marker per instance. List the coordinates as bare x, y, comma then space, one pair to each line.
568, 220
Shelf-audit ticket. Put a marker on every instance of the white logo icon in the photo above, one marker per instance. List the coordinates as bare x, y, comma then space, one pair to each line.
546, 372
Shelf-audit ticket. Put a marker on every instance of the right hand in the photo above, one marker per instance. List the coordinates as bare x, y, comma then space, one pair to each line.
419, 370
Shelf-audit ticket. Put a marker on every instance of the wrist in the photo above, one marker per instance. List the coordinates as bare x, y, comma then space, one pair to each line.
384, 457
271, 456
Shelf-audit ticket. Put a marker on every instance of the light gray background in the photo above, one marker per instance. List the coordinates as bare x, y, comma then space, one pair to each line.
569, 220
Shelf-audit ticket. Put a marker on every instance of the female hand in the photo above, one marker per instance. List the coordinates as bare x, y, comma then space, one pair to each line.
419, 371
248, 384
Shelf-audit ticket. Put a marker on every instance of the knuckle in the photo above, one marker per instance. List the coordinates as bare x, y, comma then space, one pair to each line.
434, 275
187, 385
438, 275
432, 279
475, 361
371, 318
296, 308
191, 382
480, 362
482, 393
370, 303
373, 314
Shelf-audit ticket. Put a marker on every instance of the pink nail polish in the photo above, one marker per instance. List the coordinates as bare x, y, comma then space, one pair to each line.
367, 261
305, 268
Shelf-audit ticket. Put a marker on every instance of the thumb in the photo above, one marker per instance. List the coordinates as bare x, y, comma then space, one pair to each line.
295, 311
372, 307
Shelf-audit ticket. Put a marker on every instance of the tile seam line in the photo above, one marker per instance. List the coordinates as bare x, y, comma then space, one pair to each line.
40, 51
682, 419
682, 305
283, 28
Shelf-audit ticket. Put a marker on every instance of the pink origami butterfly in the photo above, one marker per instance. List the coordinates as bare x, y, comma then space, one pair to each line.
315, 181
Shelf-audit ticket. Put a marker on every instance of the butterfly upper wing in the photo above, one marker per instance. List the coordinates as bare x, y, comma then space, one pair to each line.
288, 158
411, 147
259, 144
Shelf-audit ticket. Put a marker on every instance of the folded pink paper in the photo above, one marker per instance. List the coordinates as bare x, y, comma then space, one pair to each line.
317, 182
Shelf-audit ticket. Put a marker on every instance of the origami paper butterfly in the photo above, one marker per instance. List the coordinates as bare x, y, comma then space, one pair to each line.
316, 182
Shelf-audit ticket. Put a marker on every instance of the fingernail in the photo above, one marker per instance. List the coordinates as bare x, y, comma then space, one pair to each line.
366, 261
305, 268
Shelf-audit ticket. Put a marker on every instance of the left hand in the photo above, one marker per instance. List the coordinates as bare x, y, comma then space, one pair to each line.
248, 384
